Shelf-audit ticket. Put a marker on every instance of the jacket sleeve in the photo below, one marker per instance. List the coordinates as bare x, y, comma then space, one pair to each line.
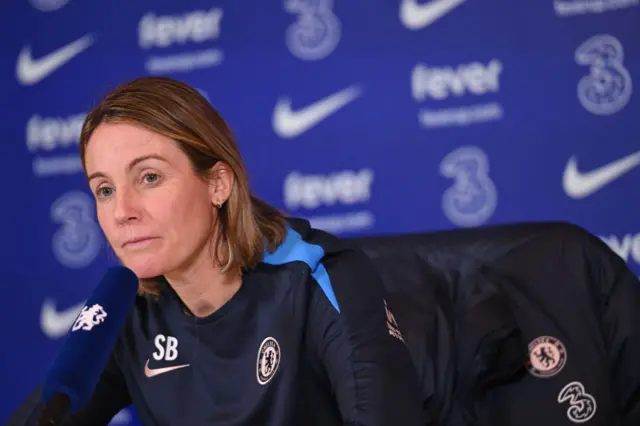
109, 397
619, 290
359, 346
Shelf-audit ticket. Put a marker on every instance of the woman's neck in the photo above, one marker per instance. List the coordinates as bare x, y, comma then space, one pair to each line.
204, 288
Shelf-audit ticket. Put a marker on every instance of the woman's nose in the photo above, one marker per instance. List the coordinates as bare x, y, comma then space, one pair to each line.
127, 206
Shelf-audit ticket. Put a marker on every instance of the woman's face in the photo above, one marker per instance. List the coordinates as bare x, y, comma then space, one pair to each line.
157, 214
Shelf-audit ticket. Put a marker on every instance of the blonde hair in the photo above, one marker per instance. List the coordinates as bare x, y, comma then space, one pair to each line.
247, 225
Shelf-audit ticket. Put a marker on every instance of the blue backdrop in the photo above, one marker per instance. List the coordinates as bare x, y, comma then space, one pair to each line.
367, 117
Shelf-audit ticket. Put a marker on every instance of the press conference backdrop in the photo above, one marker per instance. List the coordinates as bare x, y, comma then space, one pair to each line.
367, 117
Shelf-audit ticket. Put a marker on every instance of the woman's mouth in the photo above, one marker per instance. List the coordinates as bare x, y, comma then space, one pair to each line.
138, 242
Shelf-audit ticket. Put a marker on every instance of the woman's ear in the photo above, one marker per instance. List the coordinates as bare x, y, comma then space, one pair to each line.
220, 183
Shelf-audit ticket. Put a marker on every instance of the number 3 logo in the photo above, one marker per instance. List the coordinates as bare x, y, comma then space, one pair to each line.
582, 406
78, 240
607, 88
472, 198
316, 33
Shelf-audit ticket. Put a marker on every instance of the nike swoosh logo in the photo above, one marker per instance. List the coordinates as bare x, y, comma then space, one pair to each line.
54, 323
580, 185
416, 16
157, 371
30, 71
289, 124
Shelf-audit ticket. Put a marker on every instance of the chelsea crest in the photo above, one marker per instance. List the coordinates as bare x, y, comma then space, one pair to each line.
547, 356
268, 360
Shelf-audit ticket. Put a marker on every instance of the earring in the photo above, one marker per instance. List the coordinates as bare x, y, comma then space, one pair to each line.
218, 204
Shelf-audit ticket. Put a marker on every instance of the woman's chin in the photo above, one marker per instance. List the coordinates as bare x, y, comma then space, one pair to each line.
145, 268
144, 275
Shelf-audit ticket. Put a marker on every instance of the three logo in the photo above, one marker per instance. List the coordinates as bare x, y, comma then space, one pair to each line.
582, 406
472, 199
607, 88
78, 240
316, 33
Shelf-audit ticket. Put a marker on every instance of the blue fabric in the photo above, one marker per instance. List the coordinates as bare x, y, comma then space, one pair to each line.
295, 249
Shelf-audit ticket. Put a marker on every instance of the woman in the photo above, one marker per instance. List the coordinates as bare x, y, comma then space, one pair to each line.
243, 317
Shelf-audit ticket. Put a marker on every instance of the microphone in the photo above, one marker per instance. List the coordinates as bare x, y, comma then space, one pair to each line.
83, 356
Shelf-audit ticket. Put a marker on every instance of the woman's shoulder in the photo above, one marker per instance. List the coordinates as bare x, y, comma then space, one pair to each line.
304, 243
338, 266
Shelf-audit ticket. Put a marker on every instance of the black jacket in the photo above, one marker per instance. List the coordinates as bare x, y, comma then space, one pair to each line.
517, 325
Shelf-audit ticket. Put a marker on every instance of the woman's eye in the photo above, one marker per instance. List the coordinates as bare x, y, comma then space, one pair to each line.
151, 178
104, 192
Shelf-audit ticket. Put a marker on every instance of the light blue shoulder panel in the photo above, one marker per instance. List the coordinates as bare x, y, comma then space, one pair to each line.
295, 249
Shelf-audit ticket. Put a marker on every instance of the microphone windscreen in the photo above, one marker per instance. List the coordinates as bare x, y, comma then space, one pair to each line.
85, 352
